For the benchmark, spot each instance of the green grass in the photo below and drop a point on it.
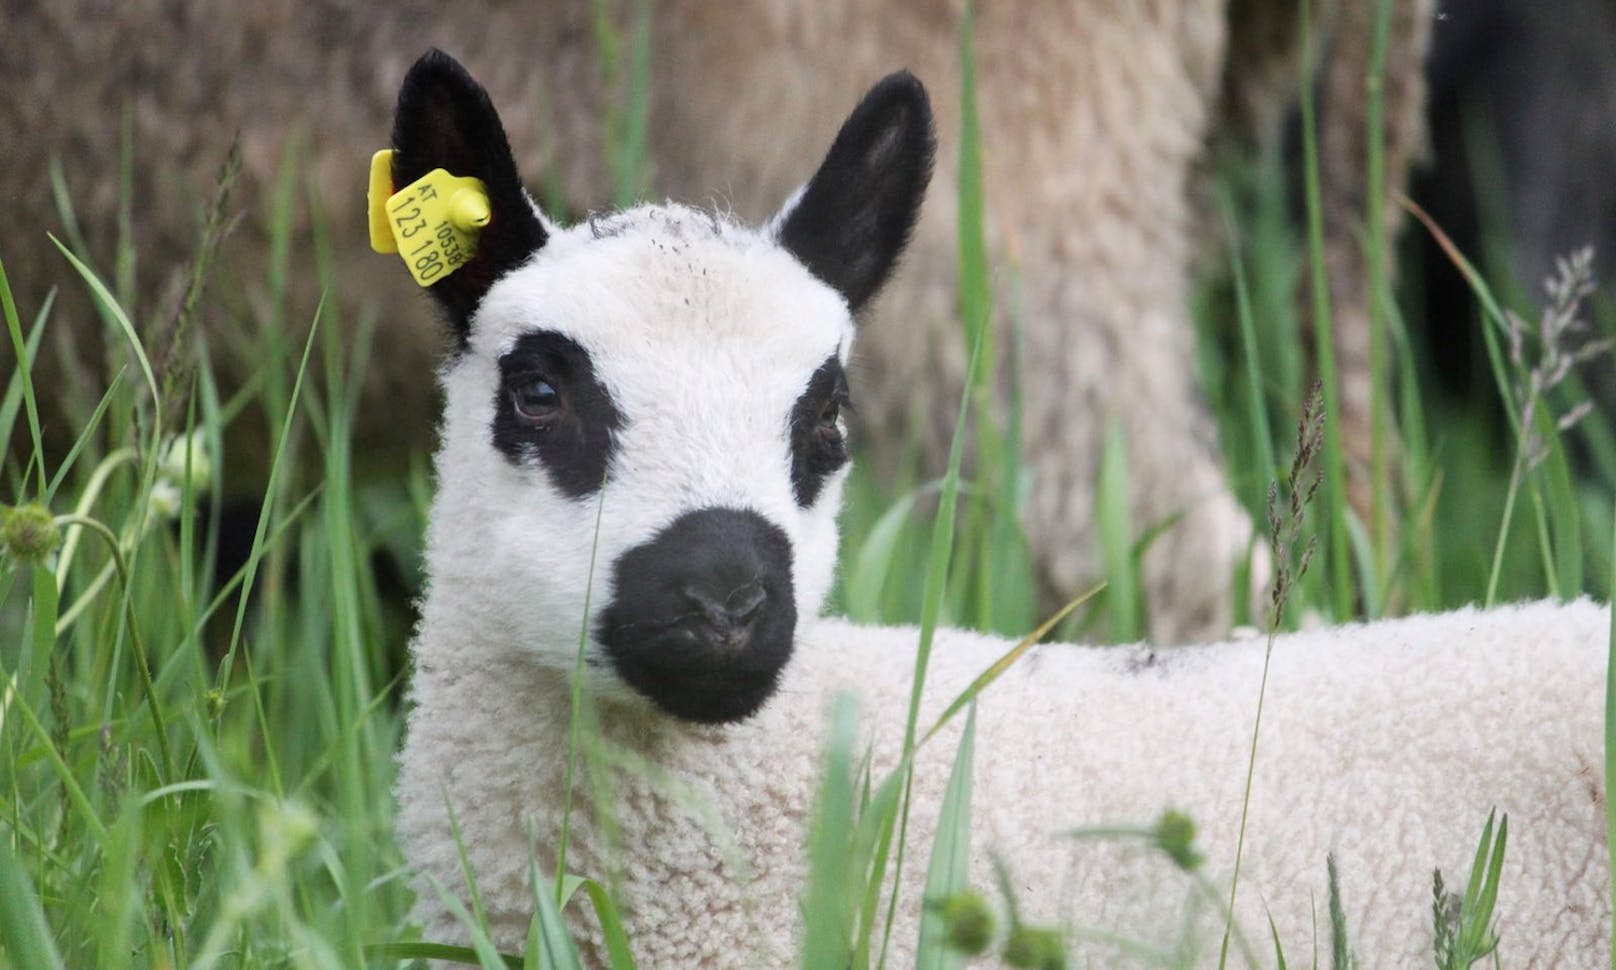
(196, 772)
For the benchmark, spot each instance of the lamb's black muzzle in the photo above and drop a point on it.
(704, 615)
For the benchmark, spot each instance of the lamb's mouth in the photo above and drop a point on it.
(705, 695)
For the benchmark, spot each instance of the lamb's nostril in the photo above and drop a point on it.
(729, 613)
(744, 602)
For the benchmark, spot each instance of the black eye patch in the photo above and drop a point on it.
(574, 439)
(817, 446)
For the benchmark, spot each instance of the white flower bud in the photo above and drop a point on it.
(187, 455)
(166, 499)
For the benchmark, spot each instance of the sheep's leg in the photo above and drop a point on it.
(1095, 125)
(1260, 86)
(1106, 242)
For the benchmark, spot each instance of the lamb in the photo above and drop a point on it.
(1103, 121)
(643, 448)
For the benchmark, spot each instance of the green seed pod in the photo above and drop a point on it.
(1175, 835)
(967, 922)
(28, 534)
(1035, 948)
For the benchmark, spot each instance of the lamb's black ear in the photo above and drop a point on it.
(853, 218)
(445, 120)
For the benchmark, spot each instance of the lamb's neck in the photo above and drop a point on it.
(476, 674)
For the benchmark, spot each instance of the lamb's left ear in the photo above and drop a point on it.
(853, 218)
(446, 120)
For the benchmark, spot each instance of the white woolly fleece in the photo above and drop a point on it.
(1385, 743)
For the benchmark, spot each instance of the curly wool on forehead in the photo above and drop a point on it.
(672, 221)
(668, 272)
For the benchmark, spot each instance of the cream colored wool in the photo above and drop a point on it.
(1096, 118)
(1385, 743)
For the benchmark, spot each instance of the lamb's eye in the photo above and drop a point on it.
(535, 398)
(818, 443)
(830, 415)
(828, 432)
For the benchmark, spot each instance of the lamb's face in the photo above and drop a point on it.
(679, 381)
(644, 441)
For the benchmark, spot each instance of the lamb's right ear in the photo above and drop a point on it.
(851, 221)
(445, 120)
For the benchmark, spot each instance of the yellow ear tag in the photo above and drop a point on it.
(432, 223)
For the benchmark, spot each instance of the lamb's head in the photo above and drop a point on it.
(656, 398)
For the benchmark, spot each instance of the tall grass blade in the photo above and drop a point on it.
(950, 856)
(31, 673)
(433, 951)
(474, 920)
(942, 539)
(25, 356)
(85, 436)
(877, 558)
(632, 159)
(1466, 933)
(109, 305)
(62, 198)
(1340, 948)
(975, 299)
(619, 953)
(625, 122)
(1113, 517)
(1562, 505)
(829, 898)
(877, 823)
(1421, 545)
(549, 945)
(64, 773)
(12, 402)
(1256, 406)
(1486, 903)
(1335, 486)
(1380, 513)
(259, 549)
(578, 698)
(1279, 950)
(482, 952)
(27, 942)
(1004, 663)
(1565, 518)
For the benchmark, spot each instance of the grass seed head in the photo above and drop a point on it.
(1285, 518)
(1035, 948)
(1563, 342)
(28, 534)
(1175, 836)
(967, 922)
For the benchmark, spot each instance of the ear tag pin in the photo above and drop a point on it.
(432, 223)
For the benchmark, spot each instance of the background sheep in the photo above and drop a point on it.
(1102, 122)
(1526, 95)
(568, 440)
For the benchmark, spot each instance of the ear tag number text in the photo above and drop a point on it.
(432, 223)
